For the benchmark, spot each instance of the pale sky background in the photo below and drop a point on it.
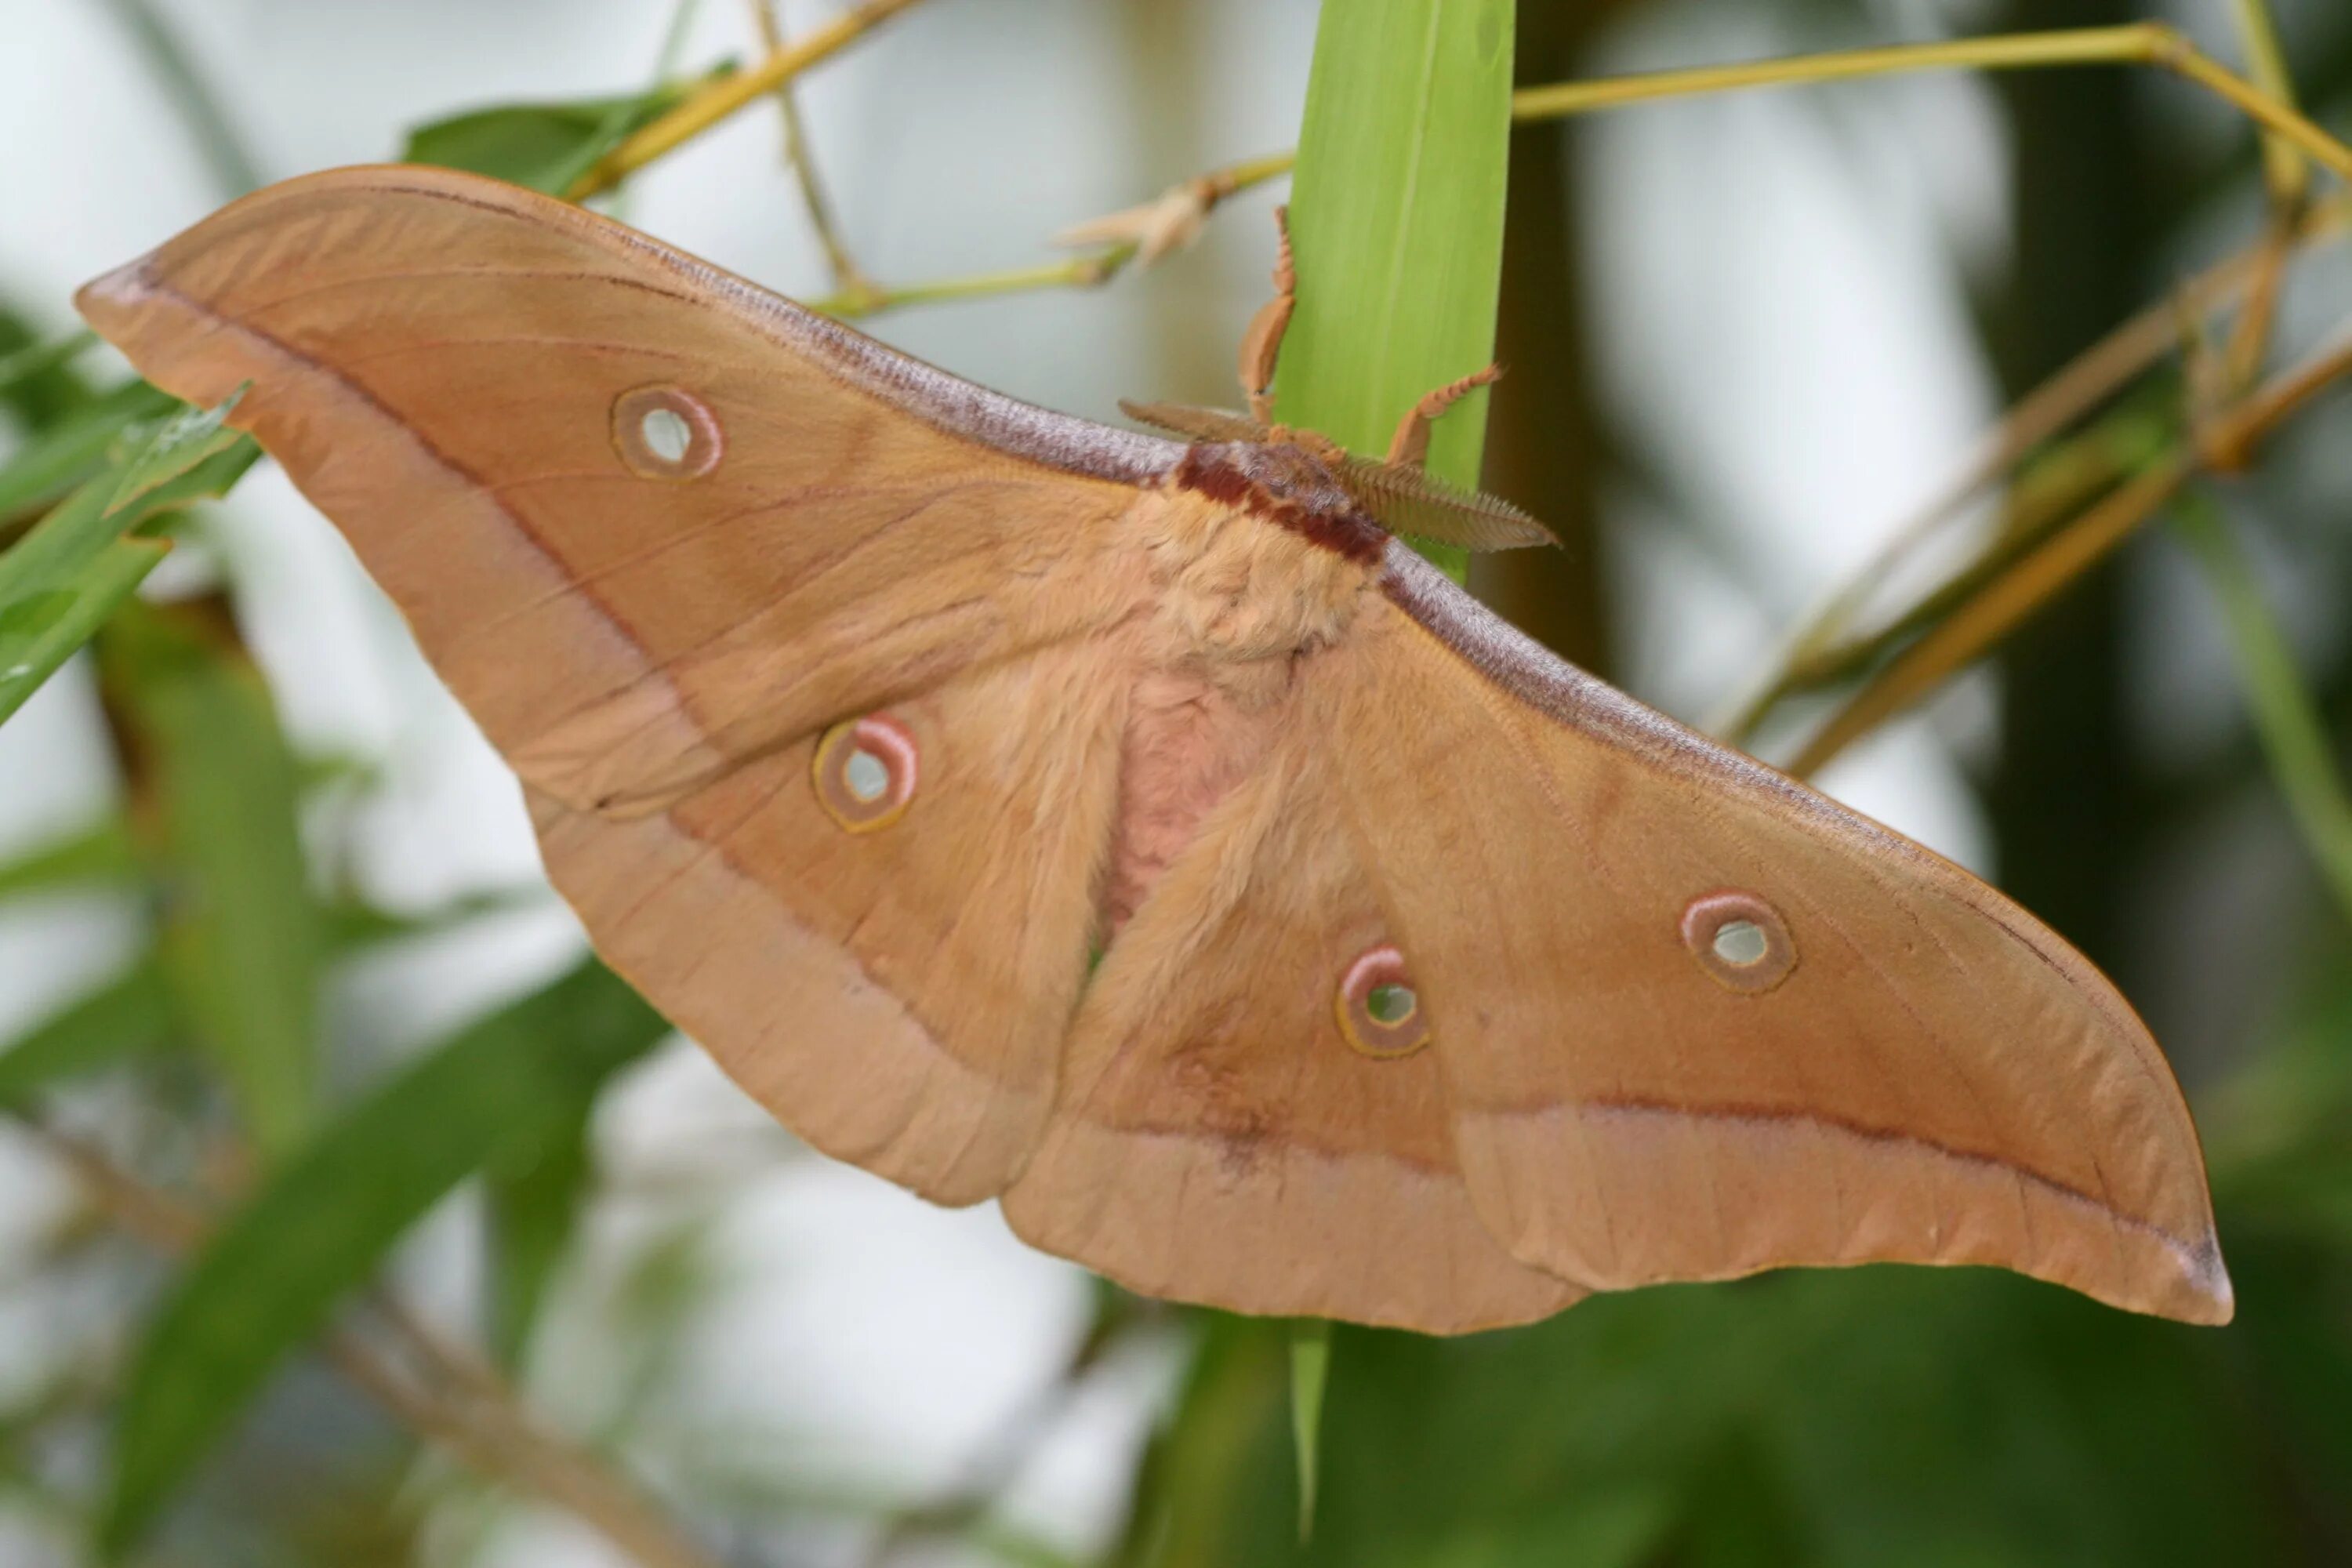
(1778, 313)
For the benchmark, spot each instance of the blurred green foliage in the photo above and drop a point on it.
(1950, 1419)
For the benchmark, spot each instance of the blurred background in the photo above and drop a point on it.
(1749, 338)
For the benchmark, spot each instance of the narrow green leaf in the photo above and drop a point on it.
(1396, 218)
(35, 379)
(75, 446)
(534, 1196)
(1192, 1488)
(171, 449)
(128, 1017)
(1397, 212)
(101, 856)
(2292, 736)
(39, 384)
(352, 925)
(209, 477)
(546, 146)
(1310, 1371)
(69, 574)
(60, 583)
(324, 1219)
(243, 941)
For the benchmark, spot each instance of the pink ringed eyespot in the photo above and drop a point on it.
(1378, 1009)
(665, 432)
(865, 772)
(1739, 940)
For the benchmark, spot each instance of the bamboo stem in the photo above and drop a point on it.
(1129, 232)
(1077, 272)
(2283, 164)
(2145, 44)
(848, 278)
(2140, 43)
(2007, 600)
(721, 99)
(1814, 655)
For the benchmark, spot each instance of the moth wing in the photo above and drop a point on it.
(459, 373)
(660, 635)
(1216, 1138)
(1883, 1060)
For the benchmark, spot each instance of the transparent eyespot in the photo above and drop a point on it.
(1378, 1006)
(865, 772)
(665, 432)
(1739, 940)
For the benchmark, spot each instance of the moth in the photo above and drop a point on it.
(1134, 829)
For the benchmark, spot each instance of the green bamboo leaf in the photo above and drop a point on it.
(208, 477)
(546, 146)
(353, 925)
(243, 941)
(38, 382)
(75, 446)
(1397, 215)
(1310, 1371)
(128, 1017)
(1192, 1489)
(543, 145)
(323, 1221)
(155, 456)
(534, 1196)
(60, 583)
(2294, 738)
(101, 856)
(1397, 212)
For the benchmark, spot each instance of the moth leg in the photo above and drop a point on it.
(1263, 342)
(1410, 445)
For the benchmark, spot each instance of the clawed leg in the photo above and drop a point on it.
(1261, 345)
(1410, 445)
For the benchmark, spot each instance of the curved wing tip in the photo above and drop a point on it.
(2211, 1300)
(105, 297)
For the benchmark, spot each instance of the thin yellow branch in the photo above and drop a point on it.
(848, 278)
(1079, 272)
(2284, 120)
(1136, 235)
(2233, 438)
(715, 103)
(1815, 655)
(1173, 219)
(2060, 559)
(2283, 164)
(2141, 44)
(2005, 603)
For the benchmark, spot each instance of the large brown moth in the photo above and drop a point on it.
(1134, 829)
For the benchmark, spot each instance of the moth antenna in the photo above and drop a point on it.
(1411, 500)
